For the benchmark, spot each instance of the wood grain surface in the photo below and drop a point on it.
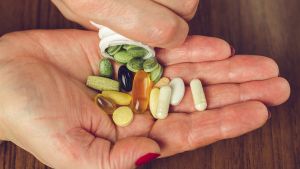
(264, 27)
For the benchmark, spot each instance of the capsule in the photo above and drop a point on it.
(141, 92)
(107, 104)
(198, 95)
(125, 78)
(121, 99)
(164, 100)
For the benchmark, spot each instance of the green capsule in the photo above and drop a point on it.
(135, 64)
(112, 50)
(106, 68)
(127, 47)
(150, 65)
(156, 74)
(137, 52)
(102, 83)
(123, 57)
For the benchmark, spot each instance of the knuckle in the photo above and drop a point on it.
(166, 31)
(189, 7)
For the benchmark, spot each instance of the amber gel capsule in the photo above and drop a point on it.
(141, 92)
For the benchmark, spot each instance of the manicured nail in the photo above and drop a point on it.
(146, 159)
(232, 50)
(269, 115)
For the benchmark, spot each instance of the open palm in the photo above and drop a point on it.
(47, 109)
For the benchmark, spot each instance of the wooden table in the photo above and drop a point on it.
(264, 27)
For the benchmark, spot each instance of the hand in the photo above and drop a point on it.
(47, 109)
(160, 23)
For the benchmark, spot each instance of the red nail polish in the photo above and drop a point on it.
(232, 51)
(146, 158)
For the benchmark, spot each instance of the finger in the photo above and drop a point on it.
(132, 152)
(70, 15)
(272, 92)
(196, 49)
(236, 69)
(186, 9)
(183, 132)
(141, 20)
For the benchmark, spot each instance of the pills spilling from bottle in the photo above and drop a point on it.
(139, 87)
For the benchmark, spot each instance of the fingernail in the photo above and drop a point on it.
(269, 115)
(146, 159)
(232, 50)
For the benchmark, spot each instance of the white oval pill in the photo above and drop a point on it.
(178, 90)
(198, 95)
(163, 102)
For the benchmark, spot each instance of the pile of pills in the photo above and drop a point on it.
(139, 86)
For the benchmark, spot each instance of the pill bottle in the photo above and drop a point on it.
(110, 38)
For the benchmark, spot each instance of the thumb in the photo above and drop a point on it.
(132, 152)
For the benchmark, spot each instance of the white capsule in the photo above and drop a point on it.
(163, 102)
(178, 90)
(198, 95)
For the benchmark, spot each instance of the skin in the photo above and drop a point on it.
(47, 109)
(161, 23)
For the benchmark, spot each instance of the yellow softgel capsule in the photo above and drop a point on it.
(122, 99)
(122, 116)
(154, 95)
(107, 104)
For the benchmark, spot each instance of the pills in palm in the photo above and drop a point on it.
(198, 95)
(139, 85)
